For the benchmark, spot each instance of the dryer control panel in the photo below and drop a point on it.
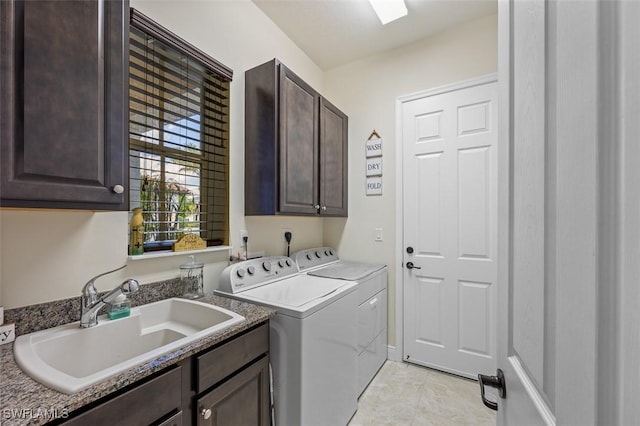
(314, 257)
(251, 273)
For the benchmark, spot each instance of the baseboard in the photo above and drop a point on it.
(393, 353)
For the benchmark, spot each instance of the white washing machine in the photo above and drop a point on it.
(323, 262)
(311, 342)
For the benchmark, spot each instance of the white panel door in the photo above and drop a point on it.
(556, 263)
(525, 334)
(449, 228)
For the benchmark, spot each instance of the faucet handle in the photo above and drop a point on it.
(105, 273)
(89, 290)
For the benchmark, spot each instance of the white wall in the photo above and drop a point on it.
(47, 255)
(366, 91)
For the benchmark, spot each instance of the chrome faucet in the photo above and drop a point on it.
(91, 303)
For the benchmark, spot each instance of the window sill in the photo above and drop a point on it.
(168, 253)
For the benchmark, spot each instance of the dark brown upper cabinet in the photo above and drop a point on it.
(64, 112)
(295, 146)
(333, 160)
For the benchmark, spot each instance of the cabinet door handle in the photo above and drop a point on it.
(205, 412)
(324, 207)
(317, 206)
(373, 302)
(118, 189)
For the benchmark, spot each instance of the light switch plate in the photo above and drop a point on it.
(378, 236)
(7, 333)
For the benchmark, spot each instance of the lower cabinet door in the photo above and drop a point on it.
(140, 406)
(243, 400)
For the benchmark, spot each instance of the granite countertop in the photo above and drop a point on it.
(24, 401)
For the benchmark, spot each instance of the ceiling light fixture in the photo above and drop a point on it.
(389, 10)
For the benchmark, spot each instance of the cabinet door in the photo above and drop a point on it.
(140, 406)
(298, 114)
(333, 160)
(64, 103)
(242, 400)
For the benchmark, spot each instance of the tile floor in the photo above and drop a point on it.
(406, 394)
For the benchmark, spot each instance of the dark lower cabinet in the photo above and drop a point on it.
(243, 400)
(63, 115)
(143, 405)
(233, 382)
(227, 384)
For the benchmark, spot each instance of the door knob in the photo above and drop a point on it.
(495, 382)
(409, 250)
(410, 265)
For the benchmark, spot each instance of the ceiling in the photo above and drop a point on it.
(336, 32)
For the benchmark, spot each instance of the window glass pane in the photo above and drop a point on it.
(183, 197)
(184, 135)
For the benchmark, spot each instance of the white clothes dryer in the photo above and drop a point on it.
(323, 262)
(312, 338)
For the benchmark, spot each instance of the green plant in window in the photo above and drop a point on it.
(170, 204)
(181, 208)
(151, 206)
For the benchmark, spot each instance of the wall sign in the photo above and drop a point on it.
(189, 242)
(374, 166)
(374, 146)
(374, 185)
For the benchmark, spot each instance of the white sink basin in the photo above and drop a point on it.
(69, 358)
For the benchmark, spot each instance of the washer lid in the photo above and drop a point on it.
(352, 271)
(297, 291)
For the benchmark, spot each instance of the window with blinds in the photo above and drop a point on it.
(178, 137)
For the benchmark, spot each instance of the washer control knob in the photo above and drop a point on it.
(331, 252)
(281, 263)
(308, 256)
(318, 254)
(326, 253)
(288, 262)
(251, 270)
(266, 266)
(240, 273)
